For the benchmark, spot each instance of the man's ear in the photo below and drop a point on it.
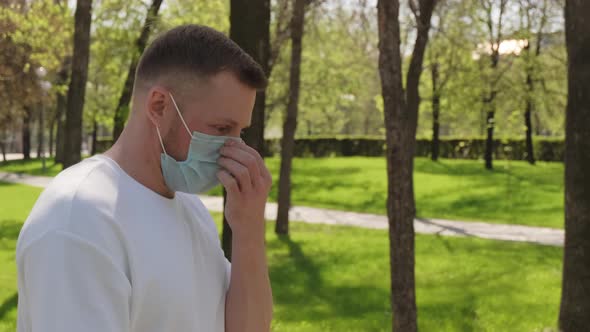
(156, 101)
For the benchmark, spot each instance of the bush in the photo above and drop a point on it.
(545, 149)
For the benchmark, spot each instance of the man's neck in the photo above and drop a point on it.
(139, 160)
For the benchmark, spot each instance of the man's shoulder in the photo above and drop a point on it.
(79, 200)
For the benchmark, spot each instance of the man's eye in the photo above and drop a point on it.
(223, 130)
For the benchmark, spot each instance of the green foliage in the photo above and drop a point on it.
(112, 45)
(339, 79)
(33, 35)
(458, 31)
(116, 27)
(213, 13)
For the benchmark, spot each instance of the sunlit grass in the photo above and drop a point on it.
(513, 193)
(336, 278)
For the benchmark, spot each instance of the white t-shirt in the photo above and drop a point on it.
(102, 252)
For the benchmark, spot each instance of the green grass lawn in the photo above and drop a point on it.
(33, 166)
(335, 278)
(514, 193)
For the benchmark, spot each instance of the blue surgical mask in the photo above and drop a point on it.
(197, 173)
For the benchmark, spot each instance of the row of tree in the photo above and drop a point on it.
(401, 114)
(339, 74)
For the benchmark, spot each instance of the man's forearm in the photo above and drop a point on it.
(248, 305)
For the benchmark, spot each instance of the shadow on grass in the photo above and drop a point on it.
(9, 303)
(299, 286)
(32, 166)
(9, 230)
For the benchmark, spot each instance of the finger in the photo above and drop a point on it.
(229, 182)
(243, 158)
(261, 165)
(238, 171)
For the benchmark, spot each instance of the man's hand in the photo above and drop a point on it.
(248, 306)
(247, 182)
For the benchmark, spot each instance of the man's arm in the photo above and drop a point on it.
(248, 305)
(247, 181)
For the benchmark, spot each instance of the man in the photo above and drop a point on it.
(119, 242)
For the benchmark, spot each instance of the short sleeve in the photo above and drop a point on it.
(68, 284)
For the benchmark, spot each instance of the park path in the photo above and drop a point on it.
(538, 235)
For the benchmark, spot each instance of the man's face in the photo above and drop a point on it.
(221, 107)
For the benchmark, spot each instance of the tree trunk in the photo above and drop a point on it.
(60, 110)
(435, 113)
(489, 97)
(26, 133)
(489, 153)
(51, 138)
(62, 78)
(490, 107)
(77, 88)
(40, 129)
(530, 153)
(3, 148)
(529, 106)
(94, 136)
(250, 29)
(3, 145)
(401, 119)
(575, 298)
(290, 124)
(122, 110)
(60, 138)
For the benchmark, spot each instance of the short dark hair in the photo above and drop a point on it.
(198, 50)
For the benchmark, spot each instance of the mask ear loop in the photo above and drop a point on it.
(161, 143)
(180, 115)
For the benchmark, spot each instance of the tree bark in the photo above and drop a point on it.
(40, 131)
(59, 135)
(58, 120)
(290, 124)
(530, 103)
(94, 137)
(530, 89)
(575, 298)
(489, 98)
(77, 88)
(250, 29)
(435, 112)
(3, 144)
(3, 148)
(401, 119)
(122, 110)
(26, 133)
(51, 138)
(489, 104)
(530, 153)
(489, 153)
